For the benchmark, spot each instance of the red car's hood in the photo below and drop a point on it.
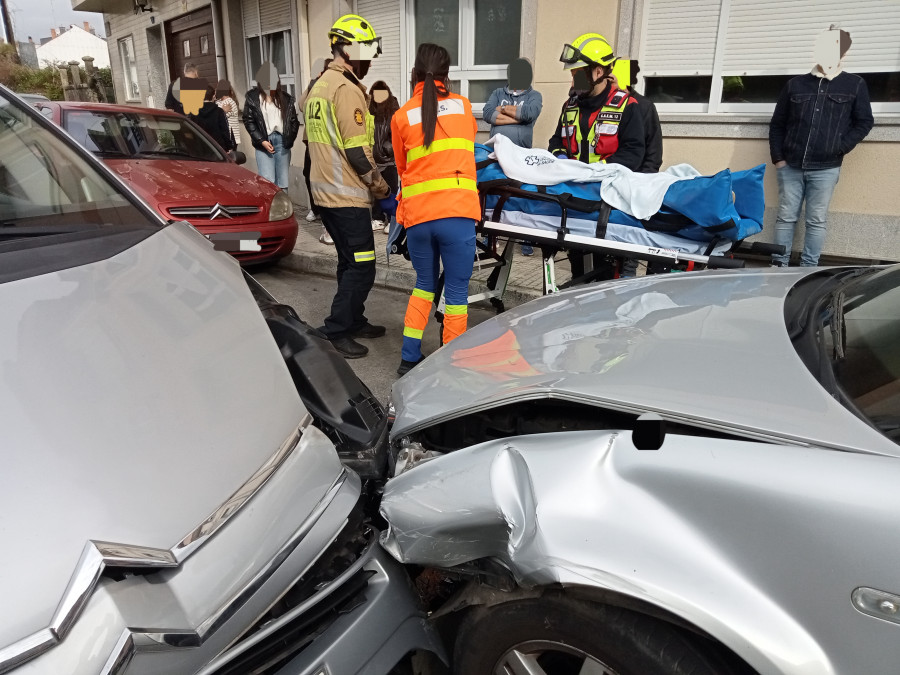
(172, 182)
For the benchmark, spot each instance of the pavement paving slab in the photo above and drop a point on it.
(395, 272)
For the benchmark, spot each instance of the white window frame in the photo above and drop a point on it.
(132, 86)
(265, 48)
(715, 106)
(466, 70)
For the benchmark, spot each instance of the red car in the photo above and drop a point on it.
(173, 165)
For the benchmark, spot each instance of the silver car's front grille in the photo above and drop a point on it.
(213, 212)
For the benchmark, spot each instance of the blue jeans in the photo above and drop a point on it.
(450, 241)
(275, 167)
(815, 186)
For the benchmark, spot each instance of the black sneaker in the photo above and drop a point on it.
(406, 366)
(369, 331)
(349, 347)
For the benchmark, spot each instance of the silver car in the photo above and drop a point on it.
(687, 473)
(173, 498)
(694, 473)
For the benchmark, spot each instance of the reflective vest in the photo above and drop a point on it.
(438, 181)
(337, 119)
(603, 132)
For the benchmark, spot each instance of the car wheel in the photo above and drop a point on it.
(560, 635)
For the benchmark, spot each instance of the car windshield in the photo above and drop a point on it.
(111, 134)
(50, 195)
(862, 341)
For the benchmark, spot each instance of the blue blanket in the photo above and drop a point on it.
(728, 205)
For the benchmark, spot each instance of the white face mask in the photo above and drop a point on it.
(828, 51)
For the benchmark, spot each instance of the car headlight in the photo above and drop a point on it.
(281, 207)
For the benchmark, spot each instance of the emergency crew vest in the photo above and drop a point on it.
(603, 134)
(333, 181)
(438, 181)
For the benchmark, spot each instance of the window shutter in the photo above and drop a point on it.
(274, 15)
(773, 37)
(680, 37)
(250, 13)
(385, 17)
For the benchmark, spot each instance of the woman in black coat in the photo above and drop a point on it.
(270, 117)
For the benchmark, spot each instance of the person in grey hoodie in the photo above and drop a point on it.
(512, 110)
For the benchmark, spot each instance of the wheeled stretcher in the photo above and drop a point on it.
(702, 221)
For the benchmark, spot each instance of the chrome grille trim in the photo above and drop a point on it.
(99, 555)
(134, 641)
(273, 626)
(214, 211)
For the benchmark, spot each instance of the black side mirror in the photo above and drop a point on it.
(239, 157)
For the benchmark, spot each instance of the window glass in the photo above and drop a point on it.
(186, 48)
(480, 90)
(498, 26)
(204, 44)
(678, 89)
(45, 184)
(109, 134)
(254, 56)
(437, 21)
(277, 51)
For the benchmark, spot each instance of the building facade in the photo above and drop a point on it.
(714, 67)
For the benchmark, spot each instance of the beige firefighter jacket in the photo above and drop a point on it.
(342, 171)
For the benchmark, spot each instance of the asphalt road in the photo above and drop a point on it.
(311, 297)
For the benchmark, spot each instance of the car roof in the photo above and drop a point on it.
(114, 108)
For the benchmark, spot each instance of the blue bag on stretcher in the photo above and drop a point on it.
(726, 206)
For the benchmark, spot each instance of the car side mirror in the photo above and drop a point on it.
(239, 157)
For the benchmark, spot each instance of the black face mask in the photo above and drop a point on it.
(582, 82)
(360, 68)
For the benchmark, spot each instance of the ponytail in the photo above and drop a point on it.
(429, 109)
(432, 63)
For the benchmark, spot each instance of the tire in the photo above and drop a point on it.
(561, 635)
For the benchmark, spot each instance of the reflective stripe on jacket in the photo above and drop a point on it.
(438, 181)
(337, 120)
(603, 133)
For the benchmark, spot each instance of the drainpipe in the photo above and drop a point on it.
(221, 68)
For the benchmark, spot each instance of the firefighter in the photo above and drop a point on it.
(598, 123)
(344, 178)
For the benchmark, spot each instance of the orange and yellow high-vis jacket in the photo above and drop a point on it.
(438, 181)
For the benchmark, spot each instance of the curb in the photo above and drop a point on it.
(392, 278)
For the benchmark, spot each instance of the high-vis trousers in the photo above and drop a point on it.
(447, 241)
(351, 229)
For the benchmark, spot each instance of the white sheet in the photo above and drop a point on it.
(637, 194)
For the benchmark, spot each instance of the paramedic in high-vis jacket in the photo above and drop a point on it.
(599, 122)
(344, 178)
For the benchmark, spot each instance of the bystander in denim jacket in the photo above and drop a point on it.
(817, 121)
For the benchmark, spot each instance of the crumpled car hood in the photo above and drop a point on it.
(708, 349)
(118, 403)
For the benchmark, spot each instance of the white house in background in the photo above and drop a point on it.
(72, 45)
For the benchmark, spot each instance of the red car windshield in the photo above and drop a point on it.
(139, 135)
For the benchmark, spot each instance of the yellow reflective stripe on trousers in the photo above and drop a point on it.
(364, 256)
(456, 309)
(425, 295)
(439, 184)
(413, 333)
(437, 146)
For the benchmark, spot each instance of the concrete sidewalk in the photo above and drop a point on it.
(395, 272)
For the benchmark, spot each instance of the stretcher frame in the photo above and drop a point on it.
(563, 240)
